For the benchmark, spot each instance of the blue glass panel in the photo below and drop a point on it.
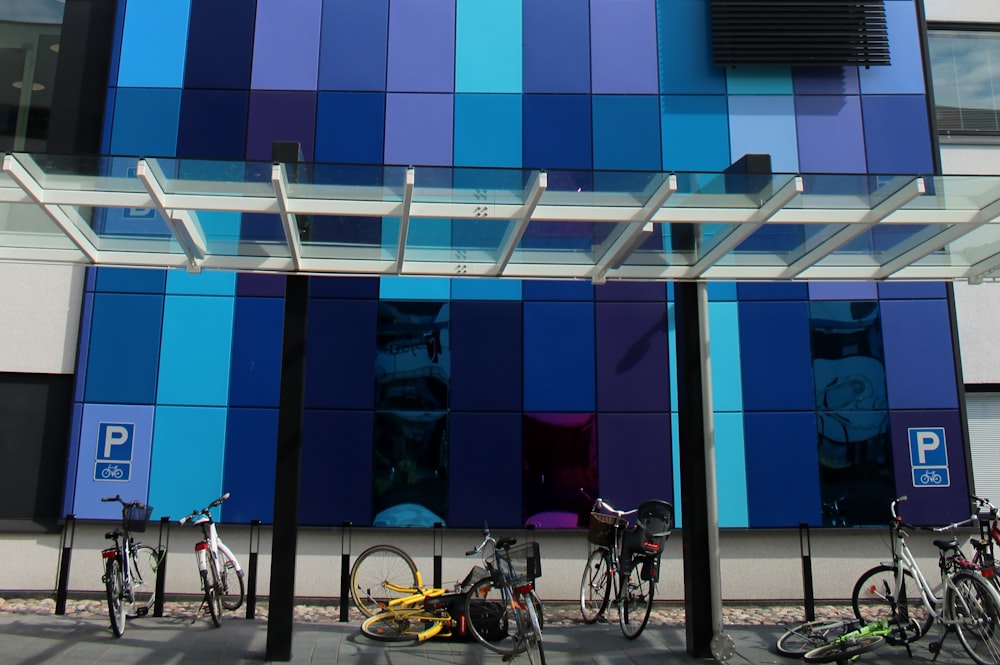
(559, 356)
(213, 124)
(421, 46)
(341, 354)
(488, 47)
(695, 133)
(685, 37)
(557, 290)
(764, 124)
(897, 135)
(479, 289)
(207, 283)
(488, 130)
(920, 366)
(197, 333)
(632, 357)
(255, 377)
(731, 469)
(724, 333)
(251, 445)
(411, 288)
(145, 122)
(759, 81)
(831, 138)
(481, 441)
(350, 127)
(772, 291)
(129, 280)
(220, 58)
(286, 45)
(722, 291)
(419, 129)
(124, 349)
(912, 290)
(336, 468)
(623, 43)
(153, 45)
(645, 440)
(557, 132)
(353, 49)
(906, 73)
(626, 132)
(556, 46)
(775, 355)
(782, 462)
(188, 456)
(487, 356)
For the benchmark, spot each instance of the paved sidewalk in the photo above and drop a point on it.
(36, 639)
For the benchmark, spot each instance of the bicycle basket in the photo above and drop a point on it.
(136, 518)
(603, 528)
(518, 565)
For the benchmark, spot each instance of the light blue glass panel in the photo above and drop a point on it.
(764, 125)
(154, 43)
(208, 282)
(486, 289)
(721, 291)
(695, 133)
(488, 46)
(286, 45)
(906, 73)
(724, 336)
(196, 350)
(488, 130)
(188, 453)
(731, 470)
(414, 288)
(759, 81)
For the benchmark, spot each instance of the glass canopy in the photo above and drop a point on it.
(341, 219)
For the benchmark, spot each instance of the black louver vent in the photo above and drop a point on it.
(799, 32)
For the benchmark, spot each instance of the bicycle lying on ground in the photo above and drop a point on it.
(625, 560)
(388, 589)
(969, 605)
(129, 566)
(832, 641)
(220, 571)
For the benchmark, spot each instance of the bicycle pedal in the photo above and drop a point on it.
(141, 611)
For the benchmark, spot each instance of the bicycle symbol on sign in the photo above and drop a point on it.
(112, 472)
(931, 478)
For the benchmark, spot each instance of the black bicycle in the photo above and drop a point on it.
(129, 566)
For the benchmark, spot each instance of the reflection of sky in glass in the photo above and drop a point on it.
(966, 71)
(32, 11)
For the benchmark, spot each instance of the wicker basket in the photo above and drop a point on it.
(136, 518)
(603, 528)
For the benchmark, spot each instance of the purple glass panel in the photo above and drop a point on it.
(251, 284)
(931, 504)
(831, 139)
(418, 129)
(280, 116)
(556, 46)
(645, 440)
(633, 357)
(825, 80)
(286, 45)
(353, 46)
(623, 43)
(422, 46)
(919, 354)
(620, 291)
(842, 291)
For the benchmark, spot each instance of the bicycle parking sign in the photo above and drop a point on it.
(929, 457)
(114, 452)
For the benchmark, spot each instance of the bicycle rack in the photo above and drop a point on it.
(438, 535)
(161, 570)
(252, 569)
(66, 549)
(345, 571)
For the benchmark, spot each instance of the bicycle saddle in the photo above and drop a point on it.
(947, 544)
(112, 534)
(505, 542)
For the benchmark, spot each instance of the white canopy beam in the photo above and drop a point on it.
(533, 191)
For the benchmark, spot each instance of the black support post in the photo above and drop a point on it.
(805, 547)
(345, 572)
(161, 569)
(65, 556)
(252, 569)
(289, 454)
(438, 552)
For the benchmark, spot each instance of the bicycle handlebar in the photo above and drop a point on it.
(936, 529)
(487, 539)
(119, 499)
(204, 511)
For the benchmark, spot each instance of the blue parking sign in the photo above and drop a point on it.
(929, 457)
(113, 461)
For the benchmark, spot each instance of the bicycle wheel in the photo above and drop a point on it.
(872, 601)
(975, 608)
(808, 635)
(405, 625)
(636, 603)
(844, 650)
(532, 632)
(595, 587)
(490, 618)
(212, 595)
(145, 561)
(232, 583)
(114, 584)
(375, 567)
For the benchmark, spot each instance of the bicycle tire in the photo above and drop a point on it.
(803, 637)
(405, 625)
(114, 584)
(376, 566)
(975, 611)
(145, 560)
(489, 620)
(212, 596)
(532, 632)
(595, 587)
(232, 581)
(636, 602)
(871, 602)
(844, 650)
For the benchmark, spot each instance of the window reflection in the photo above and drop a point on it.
(965, 67)
(559, 458)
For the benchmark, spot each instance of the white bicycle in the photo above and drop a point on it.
(221, 574)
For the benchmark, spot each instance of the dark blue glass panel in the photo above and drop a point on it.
(251, 445)
(633, 357)
(644, 439)
(781, 463)
(560, 459)
(775, 356)
(344, 287)
(253, 284)
(255, 374)
(213, 124)
(559, 356)
(557, 290)
(353, 50)
(897, 135)
(772, 291)
(556, 46)
(557, 132)
(350, 127)
(912, 290)
(487, 356)
(124, 349)
(336, 468)
(919, 354)
(340, 356)
(130, 280)
(485, 444)
(220, 58)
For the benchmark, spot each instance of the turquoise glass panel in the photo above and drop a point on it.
(906, 73)
(286, 45)
(487, 130)
(626, 132)
(759, 81)
(721, 290)
(154, 42)
(488, 46)
(145, 121)
(124, 348)
(730, 469)
(764, 125)
(724, 336)
(206, 283)
(197, 344)
(188, 455)
(414, 288)
(686, 50)
(695, 133)
(486, 289)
